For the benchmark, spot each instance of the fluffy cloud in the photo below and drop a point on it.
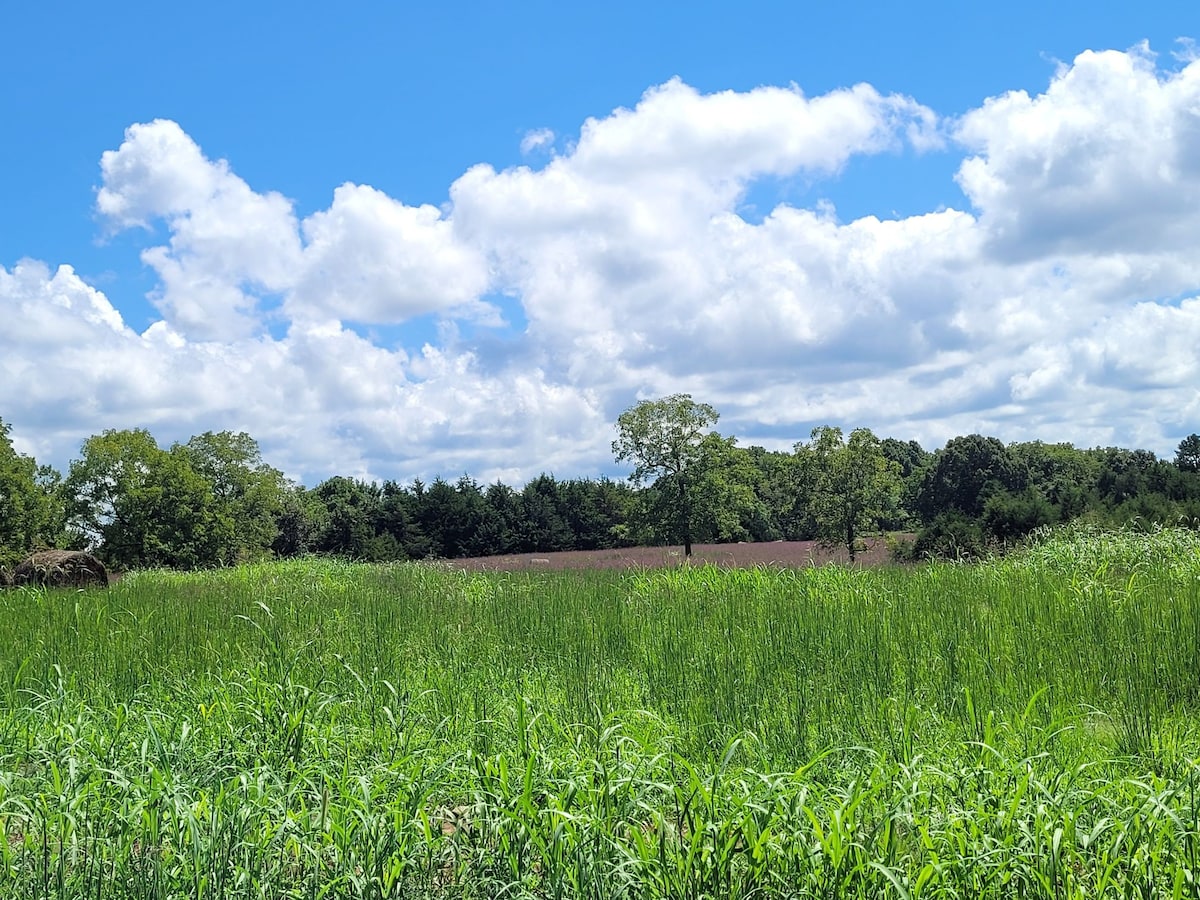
(629, 258)
(1048, 309)
(369, 258)
(723, 139)
(321, 400)
(228, 243)
(537, 139)
(1106, 161)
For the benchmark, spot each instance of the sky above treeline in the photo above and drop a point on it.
(397, 242)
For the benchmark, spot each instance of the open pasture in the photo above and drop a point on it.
(1022, 727)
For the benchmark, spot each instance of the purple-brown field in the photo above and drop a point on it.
(791, 554)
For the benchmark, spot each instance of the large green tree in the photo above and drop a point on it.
(140, 506)
(1187, 456)
(546, 529)
(1060, 473)
(30, 515)
(248, 494)
(728, 507)
(665, 440)
(965, 473)
(852, 483)
(300, 522)
(779, 511)
(913, 460)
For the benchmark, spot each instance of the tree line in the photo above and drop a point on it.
(214, 501)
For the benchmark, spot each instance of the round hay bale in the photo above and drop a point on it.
(61, 568)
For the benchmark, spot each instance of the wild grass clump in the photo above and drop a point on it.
(1021, 727)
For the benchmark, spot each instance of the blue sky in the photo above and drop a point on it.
(918, 255)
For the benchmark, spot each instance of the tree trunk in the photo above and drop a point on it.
(686, 519)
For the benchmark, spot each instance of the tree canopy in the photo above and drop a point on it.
(665, 440)
(212, 500)
(144, 506)
(1187, 457)
(29, 514)
(853, 484)
(247, 493)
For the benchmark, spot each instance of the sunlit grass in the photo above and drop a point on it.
(1023, 727)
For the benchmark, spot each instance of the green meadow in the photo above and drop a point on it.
(1023, 727)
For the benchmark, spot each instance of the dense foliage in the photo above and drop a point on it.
(214, 501)
(1025, 727)
(668, 440)
(29, 502)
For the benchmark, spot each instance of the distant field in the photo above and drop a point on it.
(1026, 727)
(770, 553)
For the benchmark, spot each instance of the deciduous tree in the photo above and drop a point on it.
(29, 510)
(965, 473)
(665, 441)
(1187, 456)
(140, 506)
(351, 508)
(853, 485)
(248, 494)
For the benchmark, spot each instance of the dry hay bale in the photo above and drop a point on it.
(61, 568)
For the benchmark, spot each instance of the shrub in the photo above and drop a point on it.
(951, 535)
(901, 548)
(1007, 516)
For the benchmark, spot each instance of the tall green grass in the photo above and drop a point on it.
(1022, 727)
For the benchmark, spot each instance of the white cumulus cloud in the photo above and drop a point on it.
(1105, 161)
(1062, 304)
(369, 258)
(228, 243)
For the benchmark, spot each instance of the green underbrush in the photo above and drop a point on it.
(1028, 726)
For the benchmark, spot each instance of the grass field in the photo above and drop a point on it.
(1027, 727)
